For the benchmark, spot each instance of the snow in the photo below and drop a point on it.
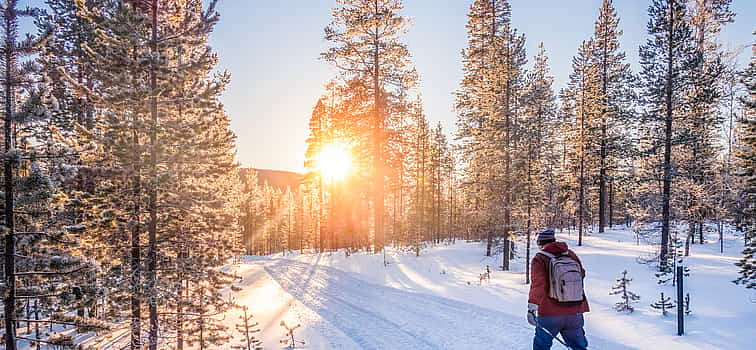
(436, 301)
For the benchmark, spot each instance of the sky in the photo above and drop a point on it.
(272, 47)
(272, 50)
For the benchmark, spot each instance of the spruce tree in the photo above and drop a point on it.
(668, 60)
(41, 263)
(628, 297)
(248, 328)
(747, 156)
(663, 304)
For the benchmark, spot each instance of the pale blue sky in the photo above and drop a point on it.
(271, 48)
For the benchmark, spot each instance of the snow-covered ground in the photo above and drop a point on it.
(435, 301)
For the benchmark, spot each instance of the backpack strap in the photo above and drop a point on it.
(552, 256)
(547, 254)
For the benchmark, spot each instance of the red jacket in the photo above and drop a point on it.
(539, 293)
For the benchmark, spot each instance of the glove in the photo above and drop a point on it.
(532, 314)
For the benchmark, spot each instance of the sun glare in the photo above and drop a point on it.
(334, 162)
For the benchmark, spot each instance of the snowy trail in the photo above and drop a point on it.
(378, 317)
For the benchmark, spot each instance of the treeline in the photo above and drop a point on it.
(402, 187)
(656, 149)
(319, 214)
(121, 192)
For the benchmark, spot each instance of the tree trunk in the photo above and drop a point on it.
(667, 189)
(9, 300)
(36, 324)
(603, 150)
(611, 203)
(507, 168)
(527, 242)
(152, 226)
(136, 271)
(378, 195)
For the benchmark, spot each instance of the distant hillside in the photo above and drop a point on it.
(275, 178)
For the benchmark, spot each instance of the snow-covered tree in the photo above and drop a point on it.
(628, 297)
(615, 104)
(581, 106)
(489, 111)
(365, 46)
(248, 328)
(663, 304)
(701, 123)
(539, 107)
(747, 156)
(167, 170)
(41, 266)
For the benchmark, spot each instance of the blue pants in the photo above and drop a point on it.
(570, 327)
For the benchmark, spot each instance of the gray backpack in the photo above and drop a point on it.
(565, 279)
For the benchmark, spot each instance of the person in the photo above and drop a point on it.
(547, 313)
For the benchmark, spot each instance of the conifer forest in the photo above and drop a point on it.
(136, 214)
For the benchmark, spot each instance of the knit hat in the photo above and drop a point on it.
(546, 236)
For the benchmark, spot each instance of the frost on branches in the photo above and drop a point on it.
(289, 340)
(664, 304)
(628, 297)
(248, 328)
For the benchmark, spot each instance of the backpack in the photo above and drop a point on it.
(565, 279)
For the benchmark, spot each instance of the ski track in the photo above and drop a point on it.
(377, 317)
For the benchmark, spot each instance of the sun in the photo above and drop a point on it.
(334, 162)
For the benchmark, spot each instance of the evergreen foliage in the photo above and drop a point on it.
(489, 108)
(747, 157)
(628, 297)
(669, 60)
(248, 328)
(289, 340)
(663, 304)
(366, 48)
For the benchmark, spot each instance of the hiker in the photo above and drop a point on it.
(556, 311)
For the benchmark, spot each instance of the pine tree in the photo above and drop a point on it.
(318, 137)
(289, 340)
(747, 156)
(421, 165)
(707, 17)
(668, 60)
(365, 37)
(539, 105)
(616, 98)
(628, 297)
(663, 304)
(581, 104)
(489, 107)
(169, 161)
(248, 327)
(41, 263)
